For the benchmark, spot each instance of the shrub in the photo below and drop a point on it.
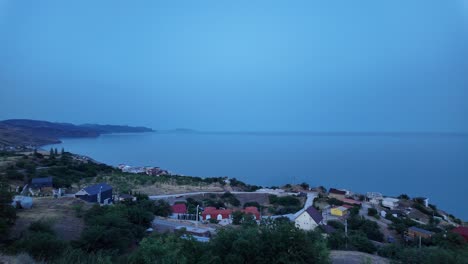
(371, 212)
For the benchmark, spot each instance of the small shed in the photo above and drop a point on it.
(97, 193)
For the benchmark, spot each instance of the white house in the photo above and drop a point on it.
(389, 202)
(308, 219)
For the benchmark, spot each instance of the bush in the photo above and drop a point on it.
(371, 212)
(162, 208)
(40, 242)
(362, 243)
(230, 198)
(284, 200)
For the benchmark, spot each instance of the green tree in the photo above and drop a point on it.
(162, 208)
(7, 212)
(237, 217)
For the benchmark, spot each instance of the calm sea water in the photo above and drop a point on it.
(434, 166)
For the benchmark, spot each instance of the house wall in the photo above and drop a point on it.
(336, 212)
(305, 222)
(93, 198)
(415, 234)
(336, 196)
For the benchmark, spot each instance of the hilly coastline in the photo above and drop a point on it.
(26, 132)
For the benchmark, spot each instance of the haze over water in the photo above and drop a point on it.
(394, 65)
(430, 165)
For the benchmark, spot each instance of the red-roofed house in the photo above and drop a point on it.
(178, 209)
(218, 214)
(252, 210)
(463, 231)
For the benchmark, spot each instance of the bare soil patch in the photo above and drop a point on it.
(59, 212)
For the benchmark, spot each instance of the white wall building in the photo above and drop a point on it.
(389, 202)
(308, 219)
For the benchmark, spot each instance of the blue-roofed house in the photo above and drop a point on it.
(98, 193)
(38, 183)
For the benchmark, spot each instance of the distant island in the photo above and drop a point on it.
(26, 132)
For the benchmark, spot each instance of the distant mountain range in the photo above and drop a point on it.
(23, 132)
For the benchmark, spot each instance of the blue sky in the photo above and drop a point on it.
(238, 65)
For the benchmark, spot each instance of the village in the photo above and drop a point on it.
(198, 214)
(65, 189)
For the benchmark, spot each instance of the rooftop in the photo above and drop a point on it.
(336, 191)
(94, 189)
(42, 180)
(420, 230)
(315, 214)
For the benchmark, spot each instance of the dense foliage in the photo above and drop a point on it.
(273, 242)
(284, 204)
(7, 212)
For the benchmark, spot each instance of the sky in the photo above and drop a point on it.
(339, 65)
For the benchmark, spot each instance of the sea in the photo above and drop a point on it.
(418, 164)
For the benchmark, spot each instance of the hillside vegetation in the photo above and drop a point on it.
(25, 132)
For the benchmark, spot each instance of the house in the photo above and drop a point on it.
(98, 193)
(389, 202)
(374, 197)
(218, 214)
(415, 232)
(308, 219)
(339, 211)
(178, 209)
(463, 231)
(351, 201)
(39, 183)
(337, 194)
(253, 211)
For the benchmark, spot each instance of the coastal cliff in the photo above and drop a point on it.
(25, 132)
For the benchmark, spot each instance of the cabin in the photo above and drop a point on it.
(337, 194)
(308, 219)
(98, 193)
(39, 183)
(415, 232)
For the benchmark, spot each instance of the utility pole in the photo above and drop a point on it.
(346, 232)
(196, 222)
(419, 242)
